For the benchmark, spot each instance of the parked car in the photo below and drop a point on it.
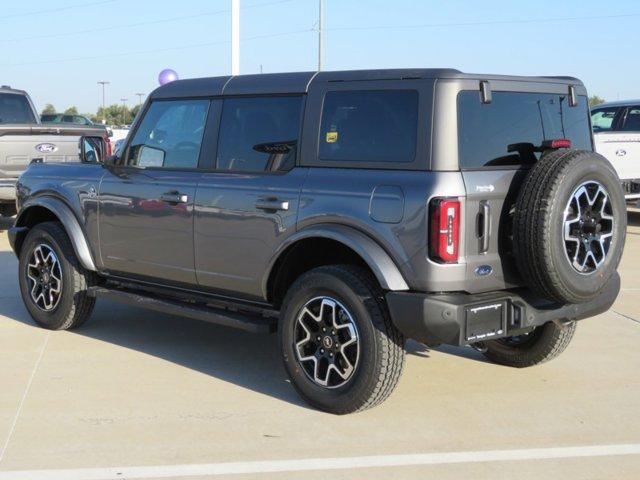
(23, 139)
(349, 211)
(65, 118)
(616, 131)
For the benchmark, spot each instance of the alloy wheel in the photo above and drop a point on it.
(44, 275)
(326, 342)
(588, 227)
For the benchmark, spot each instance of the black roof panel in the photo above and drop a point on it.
(298, 82)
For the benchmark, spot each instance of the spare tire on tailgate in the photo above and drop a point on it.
(569, 225)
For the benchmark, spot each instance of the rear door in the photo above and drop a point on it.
(146, 201)
(494, 153)
(617, 137)
(249, 200)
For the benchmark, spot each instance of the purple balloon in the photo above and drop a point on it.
(167, 75)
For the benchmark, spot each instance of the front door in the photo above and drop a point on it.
(249, 203)
(146, 201)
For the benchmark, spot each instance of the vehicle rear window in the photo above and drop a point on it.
(15, 109)
(497, 134)
(369, 126)
(602, 119)
(631, 122)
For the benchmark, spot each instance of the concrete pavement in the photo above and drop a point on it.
(136, 388)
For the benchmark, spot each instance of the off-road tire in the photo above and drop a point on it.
(8, 209)
(545, 343)
(382, 346)
(75, 305)
(538, 242)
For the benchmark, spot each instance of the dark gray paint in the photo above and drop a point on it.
(221, 242)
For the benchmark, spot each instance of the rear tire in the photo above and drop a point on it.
(52, 282)
(544, 343)
(313, 303)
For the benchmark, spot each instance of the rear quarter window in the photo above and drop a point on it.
(489, 134)
(369, 126)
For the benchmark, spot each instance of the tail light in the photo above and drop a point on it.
(556, 143)
(444, 229)
(107, 144)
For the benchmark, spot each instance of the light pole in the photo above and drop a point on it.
(235, 37)
(104, 103)
(124, 110)
(320, 39)
(140, 95)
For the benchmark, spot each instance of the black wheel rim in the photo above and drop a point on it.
(326, 342)
(44, 278)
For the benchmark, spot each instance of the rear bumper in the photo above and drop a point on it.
(462, 318)
(8, 189)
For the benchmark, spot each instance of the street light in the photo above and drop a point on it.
(140, 95)
(104, 104)
(124, 110)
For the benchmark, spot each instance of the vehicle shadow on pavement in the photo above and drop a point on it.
(421, 350)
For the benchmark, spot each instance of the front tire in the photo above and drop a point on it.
(339, 346)
(52, 282)
(542, 344)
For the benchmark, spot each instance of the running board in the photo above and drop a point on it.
(242, 321)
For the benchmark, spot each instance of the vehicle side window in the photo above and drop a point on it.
(631, 121)
(169, 135)
(259, 133)
(602, 118)
(369, 126)
(506, 131)
(15, 109)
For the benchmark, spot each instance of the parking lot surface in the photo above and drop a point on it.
(134, 388)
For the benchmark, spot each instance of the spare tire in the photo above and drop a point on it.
(569, 225)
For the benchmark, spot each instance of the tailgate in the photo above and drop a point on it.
(17, 151)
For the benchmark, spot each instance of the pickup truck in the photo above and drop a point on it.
(23, 139)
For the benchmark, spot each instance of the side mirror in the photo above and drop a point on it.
(92, 149)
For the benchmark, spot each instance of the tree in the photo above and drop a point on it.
(71, 111)
(115, 115)
(595, 100)
(48, 109)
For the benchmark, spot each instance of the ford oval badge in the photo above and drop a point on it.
(46, 147)
(484, 270)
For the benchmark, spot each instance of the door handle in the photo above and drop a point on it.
(174, 197)
(272, 204)
(486, 226)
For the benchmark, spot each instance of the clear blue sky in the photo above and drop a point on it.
(129, 41)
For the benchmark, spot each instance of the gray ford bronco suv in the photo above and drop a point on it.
(348, 211)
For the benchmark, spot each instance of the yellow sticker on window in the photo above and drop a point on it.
(332, 137)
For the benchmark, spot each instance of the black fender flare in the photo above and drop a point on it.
(69, 222)
(381, 264)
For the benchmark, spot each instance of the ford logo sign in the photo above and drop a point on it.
(483, 270)
(46, 147)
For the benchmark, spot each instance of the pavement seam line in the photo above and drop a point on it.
(626, 316)
(24, 396)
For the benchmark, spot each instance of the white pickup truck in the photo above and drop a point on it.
(23, 139)
(616, 132)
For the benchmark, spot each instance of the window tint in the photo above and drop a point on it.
(631, 120)
(504, 131)
(369, 126)
(602, 118)
(259, 134)
(15, 109)
(170, 135)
